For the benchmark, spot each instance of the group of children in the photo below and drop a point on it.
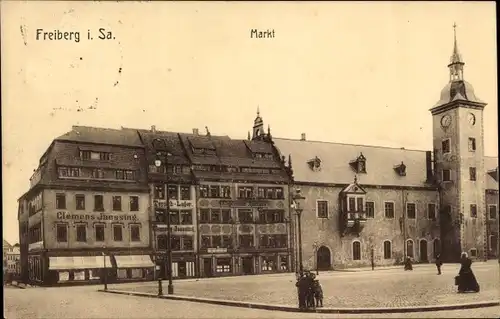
(310, 291)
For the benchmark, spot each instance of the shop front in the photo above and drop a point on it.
(78, 269)
(183, 265)
(133, 267)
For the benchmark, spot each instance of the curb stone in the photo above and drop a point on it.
(285, 308)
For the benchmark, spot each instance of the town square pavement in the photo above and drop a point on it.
(86, 303)
(363, 289)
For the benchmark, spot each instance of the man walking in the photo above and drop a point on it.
(439, 263)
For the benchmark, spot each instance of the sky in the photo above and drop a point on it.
(350, 72)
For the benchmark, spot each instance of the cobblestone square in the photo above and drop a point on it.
(387, 288)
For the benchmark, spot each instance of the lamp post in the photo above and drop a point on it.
(315, 246)
(166, 216)
(105, 269)
(297, 205)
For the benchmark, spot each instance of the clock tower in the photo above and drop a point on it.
(459, 167)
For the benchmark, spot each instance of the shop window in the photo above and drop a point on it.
(62, 233)
(135, 233)
(61, 201)
(80, 201)
(81, 233)
(268, 263)
(99, 232)
(137, 273)
(186, 217)
(411, 211)
(79, 275)
(121, 273)
(387, 250)
(223, 265)
(173, 192)
(98, 203)
(134, 203)
(389, 210)
(117, 203)
(185, 193)
(283, 263)
(370, 209)
(117, 232)
(356, 250)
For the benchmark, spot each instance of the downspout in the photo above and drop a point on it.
(403, 197)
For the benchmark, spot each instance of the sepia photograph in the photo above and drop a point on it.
(274, 159)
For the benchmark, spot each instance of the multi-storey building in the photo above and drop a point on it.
(368, 203)
(87, 210)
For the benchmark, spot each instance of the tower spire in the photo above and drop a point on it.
(258, 111)
(456, 65)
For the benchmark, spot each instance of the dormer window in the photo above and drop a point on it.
(400, 169)
(359, 164)
(314, 164)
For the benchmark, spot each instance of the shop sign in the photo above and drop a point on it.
(174, 203)
(100, 216)
(217, 250)
(177, 228)
(248, 203)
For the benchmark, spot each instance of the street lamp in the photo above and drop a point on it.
(105, 269)
(297, 204)
(166, 215)
(315, 246)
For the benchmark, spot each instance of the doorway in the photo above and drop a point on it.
(182, 270)
(423, 251)
(323, 259)
(207, 267)
(247, 265)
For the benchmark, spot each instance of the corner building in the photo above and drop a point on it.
(369, 204)
(242, 204)
(86, 212)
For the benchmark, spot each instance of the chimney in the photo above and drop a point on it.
(153, 128)
(195, 131)
(303, 137)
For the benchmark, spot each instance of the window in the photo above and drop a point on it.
(245, 192)
(225, 191)
(246, 241)
(431, 211)
(97, 173)
(389, 210)
(61, 201)
(493, 242)
(95, 156)
(370, 209)
(226, 216)
(160, 215)
(409, 248)
(119, 174)
(135, 233)
(187, 242)
(204, 216)
(80, 202)
(268, 263)
(226, 242)
(161, 242)
(492, 209)
(185, 193)
(159, 191)
(472, 144)
(473, 252)
(203, 191)
(117, 233)
(214, 191)
(129, 175)
(215, 216)
(174, 217)
(98, 203)
(359, 204)
(411, 211)
(245, 215)
(223, 265)
(117, 203)
(356, 250)
(472, 173)
(85, 155)
(186, 217)
(173, 192)
(216, 241)
(446, 175)
(81, 233)
(473, 211)
(134, 203)
(205, 241)
(99, 232)
(387, 250)
(322, 208)
(445, 144)
(62, 233)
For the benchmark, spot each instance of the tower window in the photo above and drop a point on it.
(472, 144)
(446, 175)
(473, 211)
(472, 173)
(446, 146)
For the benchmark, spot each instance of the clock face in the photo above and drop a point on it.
(471, 119)
(446, 121)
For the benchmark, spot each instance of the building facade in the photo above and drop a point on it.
(86, 214)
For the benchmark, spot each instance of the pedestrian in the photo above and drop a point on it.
(439, 263)
(302, 286)
(466, 281)
(310, 290)
(408, 265)
(318, 293)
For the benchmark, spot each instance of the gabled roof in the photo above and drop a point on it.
(353, 188)
(169, 139)
(491, 164)
(256, 146)
(98, 135)
(336, 159)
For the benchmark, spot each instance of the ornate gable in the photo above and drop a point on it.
(354, 188)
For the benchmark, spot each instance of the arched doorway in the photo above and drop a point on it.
(323, 259)
(423, 251)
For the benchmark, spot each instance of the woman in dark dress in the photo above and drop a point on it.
(466, 279)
